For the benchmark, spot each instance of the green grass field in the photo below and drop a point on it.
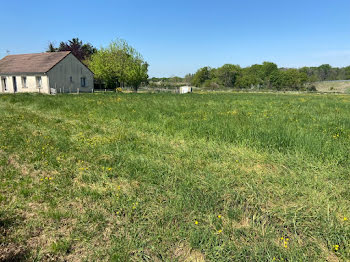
(165, 177)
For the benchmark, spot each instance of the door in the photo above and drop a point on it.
(14, 84)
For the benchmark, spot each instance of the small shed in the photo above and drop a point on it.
(185, 89)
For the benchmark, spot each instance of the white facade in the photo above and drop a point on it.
(38, 83)
(67, 76)
(70, 75)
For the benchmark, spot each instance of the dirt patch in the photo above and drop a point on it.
(330, 256)
(243, 223)
(13, 161)
(143, 255)
(184, 253)
(12, 252)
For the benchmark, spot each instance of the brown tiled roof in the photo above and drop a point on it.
(31, 63)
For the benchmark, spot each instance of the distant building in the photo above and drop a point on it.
(48, 73)
(185, 89)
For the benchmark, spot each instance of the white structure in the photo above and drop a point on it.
(185, 89)
(50, 73)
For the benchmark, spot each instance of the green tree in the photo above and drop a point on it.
(267, 69)
(188, 78)
(347, 73)
(201, 76)
(80, 50)
(288, 79)
(324, 72)
(228, 74)
(248, 80)
(119, 63)
(51, 48)
(137, 73)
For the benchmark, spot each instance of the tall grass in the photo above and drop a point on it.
(165, 177)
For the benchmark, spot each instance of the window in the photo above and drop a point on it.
(71, 79)
(83, 82)
(38, 81)
(24, 82)
(3, 82)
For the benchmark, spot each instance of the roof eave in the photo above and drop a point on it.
(22, 73)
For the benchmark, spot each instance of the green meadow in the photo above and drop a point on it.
(168, 177)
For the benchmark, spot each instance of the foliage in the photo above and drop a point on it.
(81, 51)
(201, 76)
(150, 177)
(326, 73)
(119, 63)
(212, 84)
(228, 74)
(347, 73)
(267, 75)
(288, 79)
(137, 73)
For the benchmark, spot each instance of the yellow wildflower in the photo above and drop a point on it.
(336, 247)
(196, 222)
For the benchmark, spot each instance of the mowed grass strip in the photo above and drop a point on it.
(164, 177)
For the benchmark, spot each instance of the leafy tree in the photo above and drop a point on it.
(347, 73)
(201, 76)
(188, 78)
(82, 51)
(119, 63)
(324, 71)
(248, 80)
(51, 47)
(228, 74)
(137, 73)
(288, 79)
(211, 84)
(268, 68)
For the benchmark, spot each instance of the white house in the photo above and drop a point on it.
(185, 89)
(48, 73)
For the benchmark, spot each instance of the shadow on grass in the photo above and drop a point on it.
(9, 251)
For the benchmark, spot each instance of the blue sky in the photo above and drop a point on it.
(178, 37)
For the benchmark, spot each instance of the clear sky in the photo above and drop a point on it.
(178, 37)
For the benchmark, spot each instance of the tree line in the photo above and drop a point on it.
(266, 75)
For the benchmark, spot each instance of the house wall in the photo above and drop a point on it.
(61, 73)
(31, 85)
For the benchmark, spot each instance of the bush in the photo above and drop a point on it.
(311, 88)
